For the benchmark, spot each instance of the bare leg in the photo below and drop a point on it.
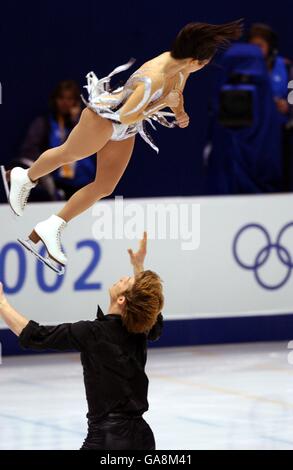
(90, 135)
(112, 161)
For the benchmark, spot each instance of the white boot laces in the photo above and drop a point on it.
(23, 196)
(58, 235)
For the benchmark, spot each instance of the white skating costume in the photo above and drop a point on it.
(106, 103)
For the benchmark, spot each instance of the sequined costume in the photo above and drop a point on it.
(107, 102)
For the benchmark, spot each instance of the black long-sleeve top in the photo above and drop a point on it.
(113, 360)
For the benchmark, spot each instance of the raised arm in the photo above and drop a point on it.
(137, 259)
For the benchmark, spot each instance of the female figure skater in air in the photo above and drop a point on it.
(108, 126)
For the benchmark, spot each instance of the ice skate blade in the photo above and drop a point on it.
(4, 179)
(28, 246)
(6, 188)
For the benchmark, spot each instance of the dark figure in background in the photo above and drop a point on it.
(243, 151)
(281, 72)
(51, 130)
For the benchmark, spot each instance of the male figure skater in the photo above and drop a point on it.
(113, 354)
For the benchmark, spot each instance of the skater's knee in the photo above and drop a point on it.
(108, 192)
(104, 190)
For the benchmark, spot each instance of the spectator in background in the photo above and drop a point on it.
(243, 154)
(51, 130)
(281, 72)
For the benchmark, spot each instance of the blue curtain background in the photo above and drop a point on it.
(42, 43)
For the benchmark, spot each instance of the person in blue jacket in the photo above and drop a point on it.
(281, 73)
(51, 130)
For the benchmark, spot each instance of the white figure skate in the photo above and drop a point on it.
(17, 185)
(48, 233)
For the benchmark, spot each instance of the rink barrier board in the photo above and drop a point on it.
(250, 301)
(196, 332)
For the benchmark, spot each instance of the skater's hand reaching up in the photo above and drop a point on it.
(137, 259)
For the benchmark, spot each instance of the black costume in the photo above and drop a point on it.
(116, 385)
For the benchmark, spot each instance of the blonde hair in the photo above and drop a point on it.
(144, 302)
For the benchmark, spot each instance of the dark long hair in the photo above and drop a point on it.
(202, 40)
(64, 85)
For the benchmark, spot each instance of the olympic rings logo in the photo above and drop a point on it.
(263, 255)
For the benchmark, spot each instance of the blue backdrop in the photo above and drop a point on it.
(44, 42)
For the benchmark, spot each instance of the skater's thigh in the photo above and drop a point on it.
(91, 134)
(112, 160)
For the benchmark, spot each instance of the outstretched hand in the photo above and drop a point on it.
(2, 296)
(137, 258)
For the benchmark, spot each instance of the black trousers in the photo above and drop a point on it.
(119, 431)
